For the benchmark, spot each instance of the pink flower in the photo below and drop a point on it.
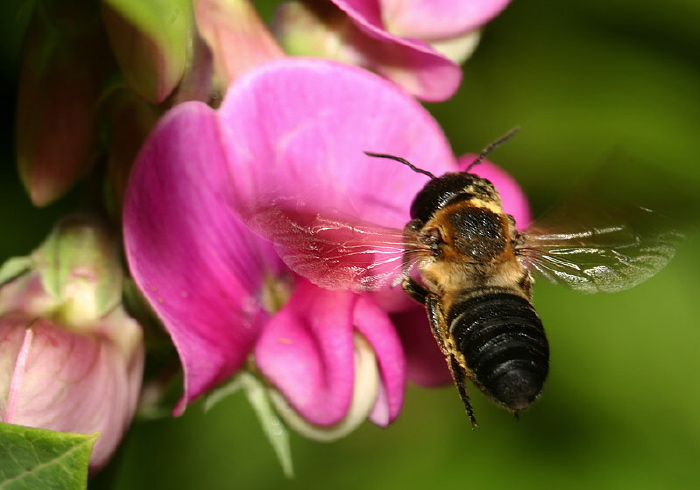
(71, 358)
(289, 129)
(418, 45)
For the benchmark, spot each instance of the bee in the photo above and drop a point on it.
(462, 257)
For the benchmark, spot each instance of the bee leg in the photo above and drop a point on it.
(415, 290)
(437, 322)
(438, 325)
(457, 369)
(431, 302)
(460, 377)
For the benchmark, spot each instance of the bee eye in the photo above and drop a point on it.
(415, 225)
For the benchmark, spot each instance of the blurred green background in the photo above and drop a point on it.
(586, 80)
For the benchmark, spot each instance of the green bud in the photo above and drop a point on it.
(151, 41)
(74, 278)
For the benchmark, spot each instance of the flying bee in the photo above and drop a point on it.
(461, 256)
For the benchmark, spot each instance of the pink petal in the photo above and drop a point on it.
(199, 267)
(298, 129)
(434, 19)
(57, 380)
(426, 365)
(374, 324)
(411, 63)
(307, 352)
(514, 199)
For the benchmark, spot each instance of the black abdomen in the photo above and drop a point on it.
(504, 345)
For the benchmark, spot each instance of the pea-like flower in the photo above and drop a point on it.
(419, 45)
(288, 128)
(71, 358)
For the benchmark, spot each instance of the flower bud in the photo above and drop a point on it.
(315, 30)
(72, 359)
(65, 62)
(236, 36)
(151, 41)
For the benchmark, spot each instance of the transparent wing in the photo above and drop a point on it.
(335, 252)
(593, 249)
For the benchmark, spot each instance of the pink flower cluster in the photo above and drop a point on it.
(297, 106)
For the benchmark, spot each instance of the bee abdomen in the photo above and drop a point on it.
(504, 346)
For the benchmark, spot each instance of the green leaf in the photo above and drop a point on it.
(37, 458)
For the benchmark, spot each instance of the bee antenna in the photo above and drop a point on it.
(401, 160)
(491, 147)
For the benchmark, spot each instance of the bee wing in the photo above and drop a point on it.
(331, 251)
(593, 249)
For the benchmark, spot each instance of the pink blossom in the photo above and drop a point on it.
(289, 129)
(418, 45)
(59, 380)
(71, 359)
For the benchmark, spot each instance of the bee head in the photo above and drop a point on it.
(449, 189)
